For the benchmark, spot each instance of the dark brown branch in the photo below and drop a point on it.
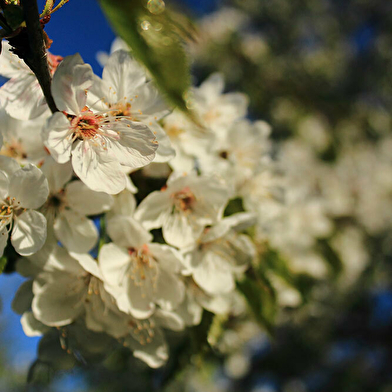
(35, 55)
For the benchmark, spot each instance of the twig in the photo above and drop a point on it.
(35, 56)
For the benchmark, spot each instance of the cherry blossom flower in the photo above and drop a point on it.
(97, 144)
(148, 272)
(221, 254)
(68, 205)
(124, 91)
(18, 204)
(184, 207)
(71, 288)
(22, 139)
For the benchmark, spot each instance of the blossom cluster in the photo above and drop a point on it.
(151, 263)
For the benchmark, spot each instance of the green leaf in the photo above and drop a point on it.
(3, 263)
(156, 39)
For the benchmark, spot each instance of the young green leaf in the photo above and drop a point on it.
(156, 40)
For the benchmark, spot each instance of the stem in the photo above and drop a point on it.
(35, 56)
(59, 5)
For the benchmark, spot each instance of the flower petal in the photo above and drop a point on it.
(57, 137)
(98, 174)
(86, 201)
(154, 354)
(123, 74)
(75, 231)
(179, 232)
(213, 276)
(4, 185)
(135, 146)
(127, 232)
(24, 181)
(31, 326)
(154, 209)
(60, 300)
(69, 84)
(56, 174)
(29, 232)
(23, 97)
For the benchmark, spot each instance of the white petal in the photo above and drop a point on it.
(178, 231)
(123, 74)
(69, 83)
(8, 165)
(140, 299)
(190, 311)
(125, 204)
(97, 174)
(57, 137)
(31, 326)
(135, 146)
(149, 103)
(23, 97)
(213, 85)
(239, 221)
(113, 261)
(29, 232)
(169, 259)
(10, 64)
(88, 263)
(57, 174)
(170, 290)
(169, 320)
(127, 232)
(213, 276)
(4, 185)
(165, 150)
(24, 181)
(60, 301)
(154, 354)
(85, 201)
(154, 209)
(75, 231)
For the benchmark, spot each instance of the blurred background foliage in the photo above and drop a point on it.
(319, 71)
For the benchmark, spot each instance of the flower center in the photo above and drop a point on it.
(85, 126)
(13, 149)
(120, 109)
(184, 200)
(7, 210)
(142, 330)
(142, 268)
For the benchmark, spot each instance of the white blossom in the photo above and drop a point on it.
(68, 205)
(148, 272)
(221, 254)
(97, 144)
(184, 207)
(18, 204)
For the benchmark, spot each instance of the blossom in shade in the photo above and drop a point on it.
(148, 272)
(221, 254)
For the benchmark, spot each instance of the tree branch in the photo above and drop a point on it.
(35, 56)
